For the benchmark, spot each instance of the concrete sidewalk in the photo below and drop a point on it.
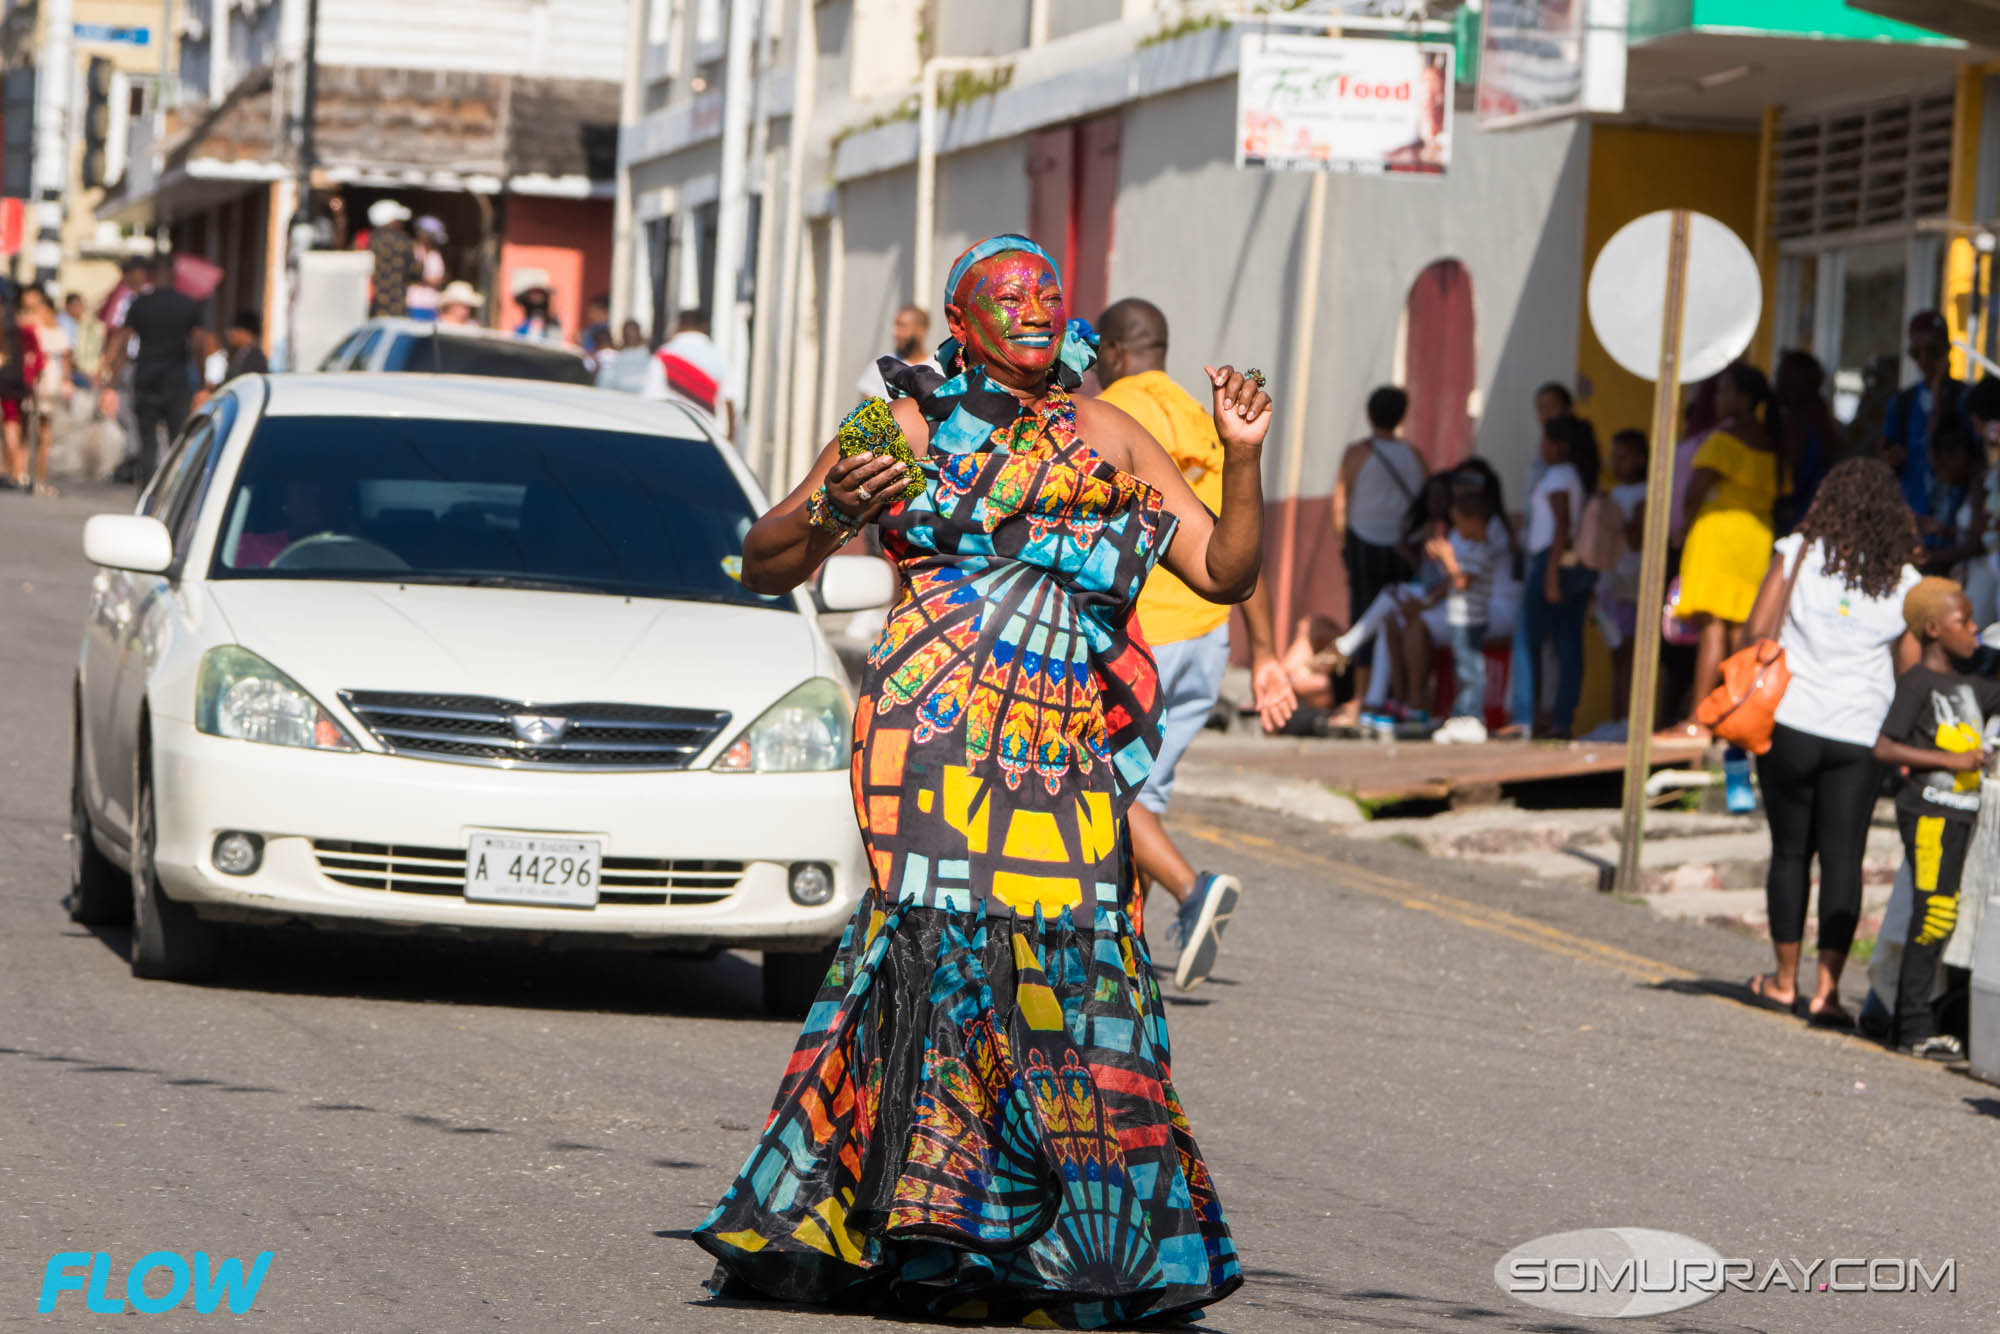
(1693, 866)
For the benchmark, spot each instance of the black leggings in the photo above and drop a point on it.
(1818, 795)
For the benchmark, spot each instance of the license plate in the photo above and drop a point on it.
(549, 872)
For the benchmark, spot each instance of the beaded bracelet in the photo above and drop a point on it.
(822, 513)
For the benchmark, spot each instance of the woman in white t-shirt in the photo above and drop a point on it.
(1844, 643)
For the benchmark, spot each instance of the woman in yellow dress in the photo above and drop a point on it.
(1731, 494)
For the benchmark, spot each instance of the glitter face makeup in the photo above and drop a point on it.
(1009, 316)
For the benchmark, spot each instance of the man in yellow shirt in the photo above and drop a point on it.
(1189, 635)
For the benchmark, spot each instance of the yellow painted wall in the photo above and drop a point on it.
(1635, 171)
(1960, 260)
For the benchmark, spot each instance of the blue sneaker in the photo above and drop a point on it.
(1197, 927)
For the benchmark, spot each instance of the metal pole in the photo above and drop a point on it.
(732, 204)
(308, 110)
(1653, 560)
(51, 163)
(168, 40)
(830, 345)
(759, 451)
(1295, 407)
(754, 274)
(632, 105)
(927, 131)
(805, 69)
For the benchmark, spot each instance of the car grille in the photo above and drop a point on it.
(645, 882)
(474, 729)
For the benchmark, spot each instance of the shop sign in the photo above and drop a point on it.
(1368, 105)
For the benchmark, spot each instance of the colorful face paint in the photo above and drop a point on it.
(1008, 314)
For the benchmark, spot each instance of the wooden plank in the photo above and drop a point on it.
(1419, 771)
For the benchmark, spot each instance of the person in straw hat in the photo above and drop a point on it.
(459, 303)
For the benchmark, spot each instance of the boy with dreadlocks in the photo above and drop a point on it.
(1938, 729)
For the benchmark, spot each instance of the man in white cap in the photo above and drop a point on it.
(395, 253)
(459, 303)
(531, 294)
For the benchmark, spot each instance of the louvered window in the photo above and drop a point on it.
(1861, 167)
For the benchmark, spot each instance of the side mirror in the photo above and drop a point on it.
(135, 542)
(854, 583)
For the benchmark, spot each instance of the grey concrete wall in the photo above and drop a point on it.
(834, 22)
(877, 215)
(980, 27)
(1220, 251)
(1068, 16)
(980, 194)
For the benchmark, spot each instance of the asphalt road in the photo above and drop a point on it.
(1403, 1070)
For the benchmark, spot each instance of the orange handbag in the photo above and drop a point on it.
(1743, 709)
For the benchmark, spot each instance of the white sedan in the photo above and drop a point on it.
(460, 654)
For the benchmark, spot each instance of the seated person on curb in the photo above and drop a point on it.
(1450, 600)
(1319, 652)
(1937, 731)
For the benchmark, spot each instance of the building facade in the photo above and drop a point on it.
(137, 53)
(1106, 130)
(498, 117)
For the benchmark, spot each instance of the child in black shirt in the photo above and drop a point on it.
(1937, 729)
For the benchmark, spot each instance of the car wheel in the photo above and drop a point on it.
(168, 941)
(792, 981)
(99, 893)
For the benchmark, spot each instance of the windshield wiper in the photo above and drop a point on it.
(541, 584)
(527, 581)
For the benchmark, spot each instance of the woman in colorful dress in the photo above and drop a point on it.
(979, 1120)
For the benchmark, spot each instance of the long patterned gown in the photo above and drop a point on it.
(978, 1120)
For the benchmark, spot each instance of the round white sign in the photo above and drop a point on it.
(1628, 296)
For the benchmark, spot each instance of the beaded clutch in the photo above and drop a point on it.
(871, 429)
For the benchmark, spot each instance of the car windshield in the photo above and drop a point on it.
(487, 504)
(448, 354)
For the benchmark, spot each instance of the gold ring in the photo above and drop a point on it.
(862, 491)
(1254, 374)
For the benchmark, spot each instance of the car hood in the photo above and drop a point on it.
(517, 644)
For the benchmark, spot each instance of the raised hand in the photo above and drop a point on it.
(1242, 408)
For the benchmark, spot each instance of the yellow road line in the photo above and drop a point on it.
(1480, 916)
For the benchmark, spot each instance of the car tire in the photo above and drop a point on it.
(169, 943)
(99, 893)
(792, 981)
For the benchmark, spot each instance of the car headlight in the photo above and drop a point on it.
(238, 694)
(805, 732)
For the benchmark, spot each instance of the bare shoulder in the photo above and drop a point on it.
(1108, 429)
(910, 417)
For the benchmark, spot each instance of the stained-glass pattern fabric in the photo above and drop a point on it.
(979, 1120)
